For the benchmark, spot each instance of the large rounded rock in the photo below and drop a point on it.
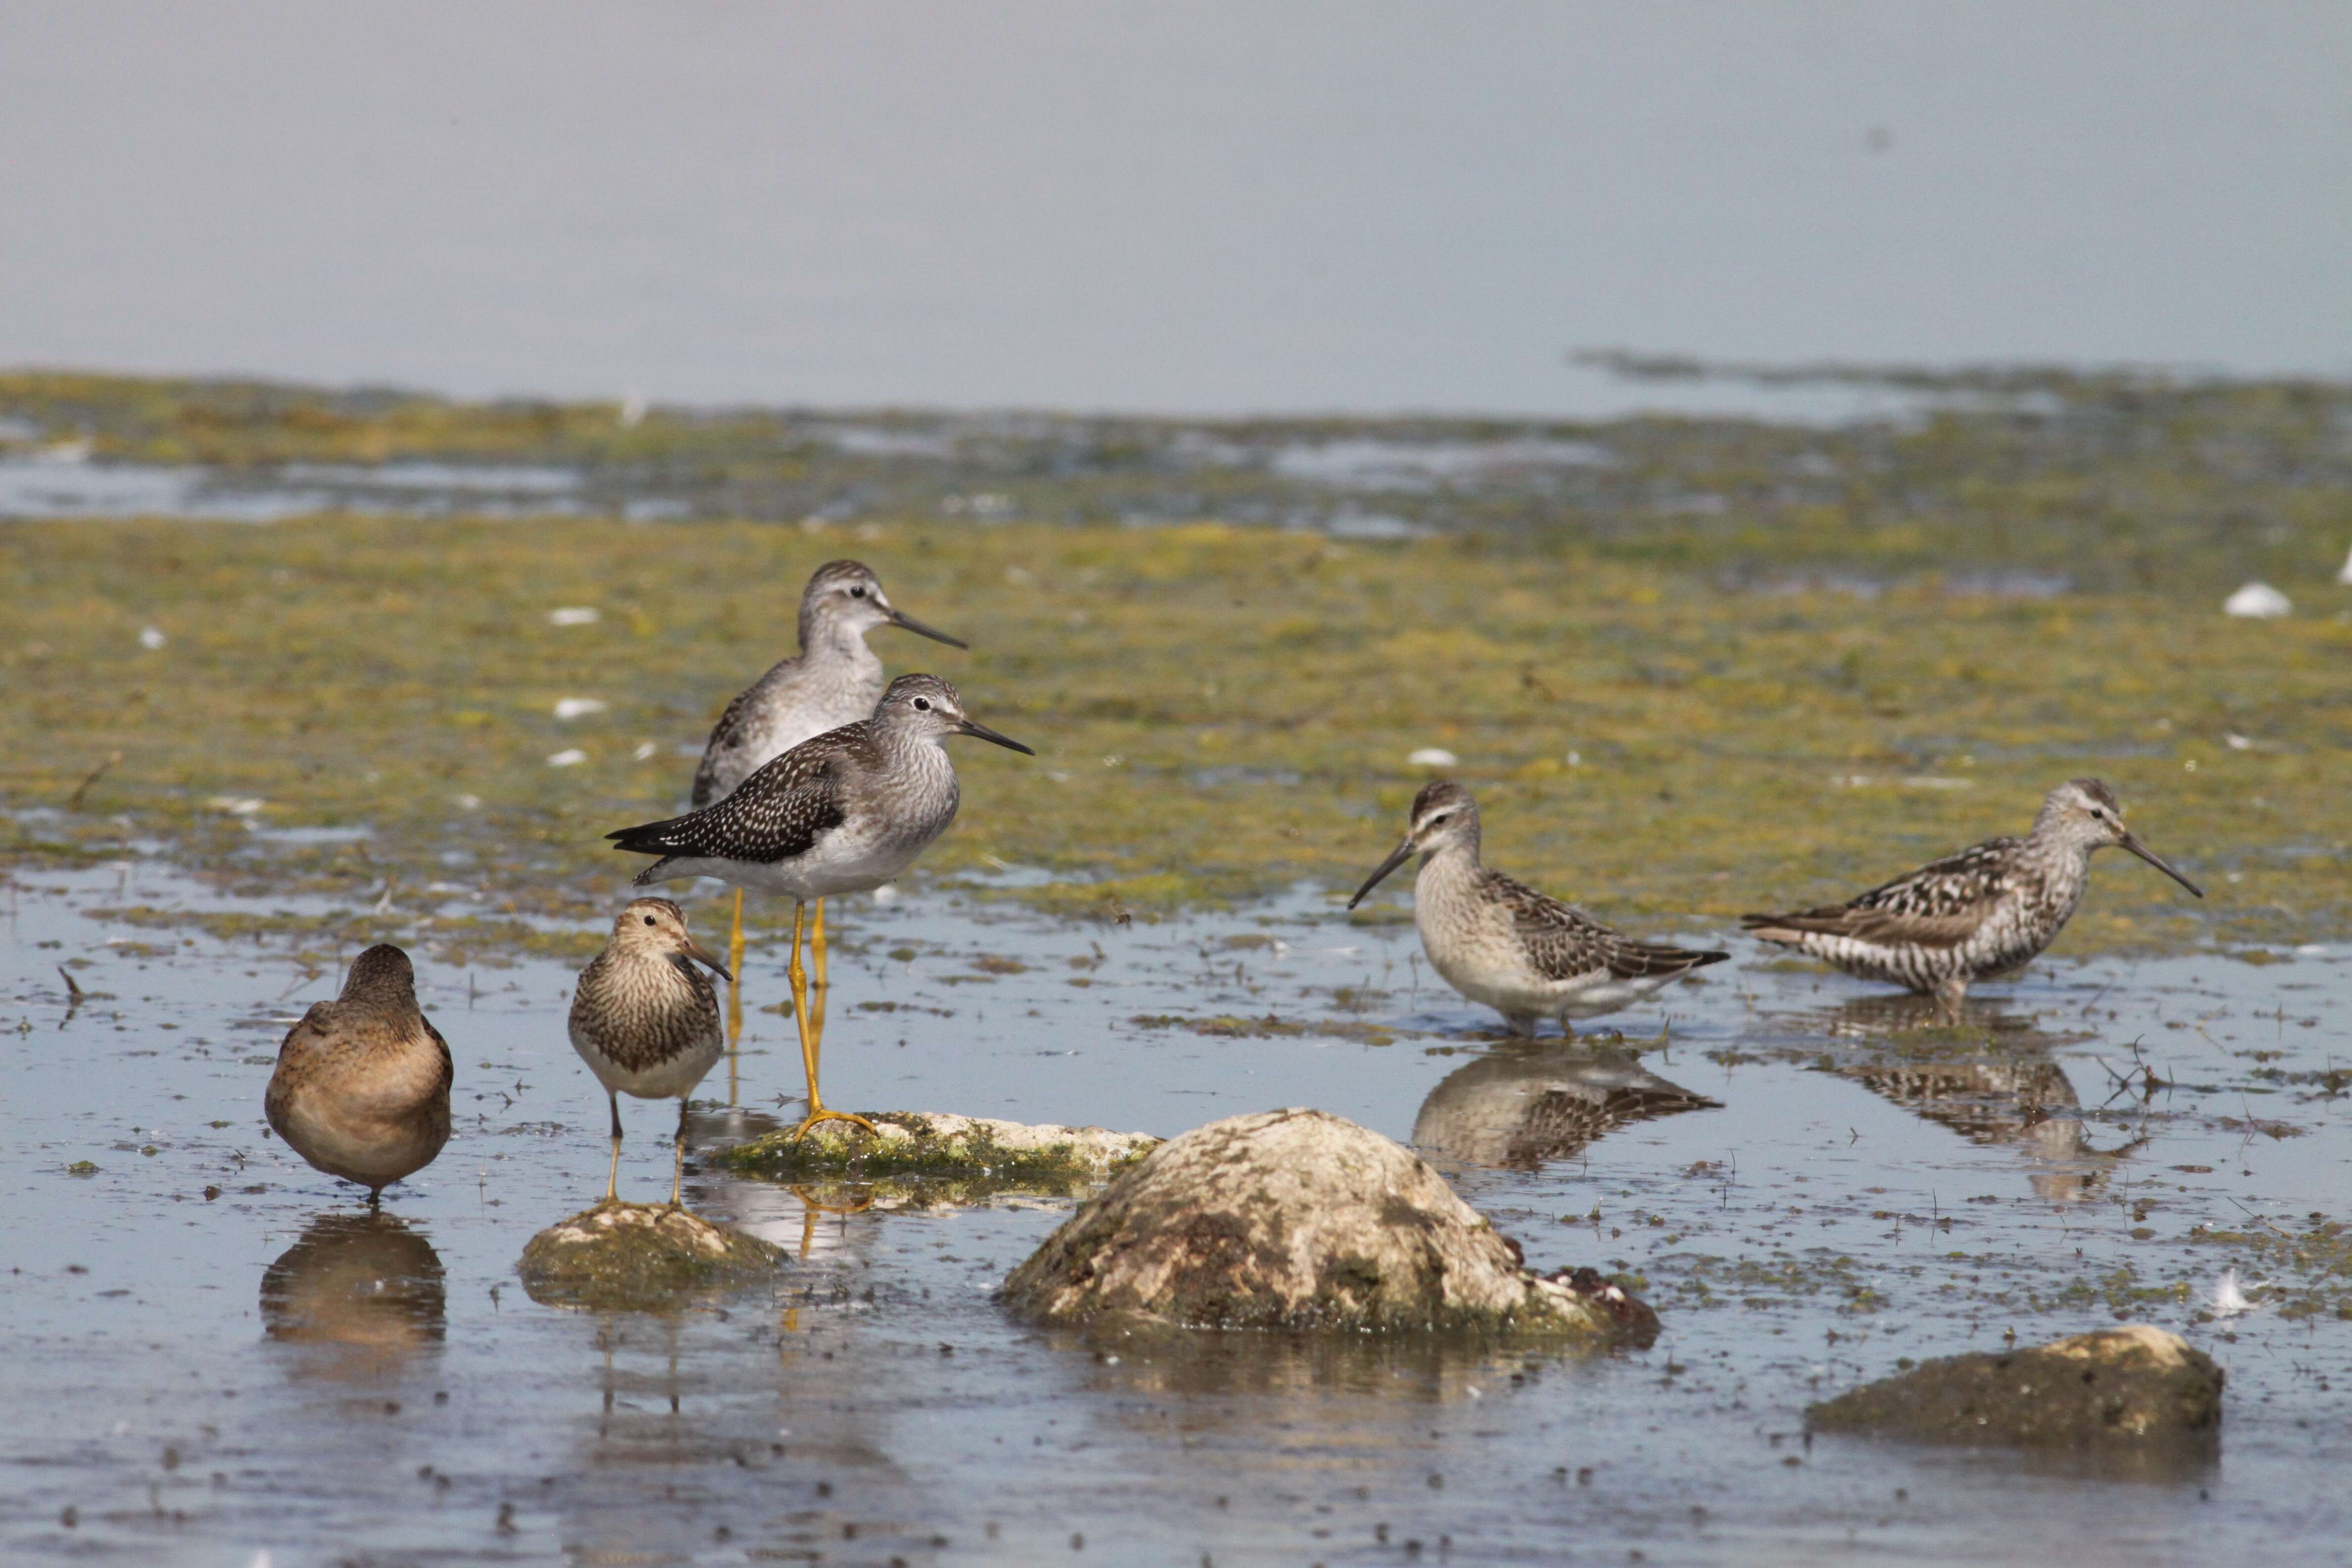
(640, 1257)
(1300, 1220)
(2135, 1385)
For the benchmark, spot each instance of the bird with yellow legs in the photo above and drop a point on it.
(834, 679)
(843, 812)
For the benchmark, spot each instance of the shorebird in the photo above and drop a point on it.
(361, 1087)
(834, 679)
(1984, 911)
(1503, 944)
(645, 1020)
(843, 812)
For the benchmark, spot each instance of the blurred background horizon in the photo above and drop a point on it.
(1211, 209)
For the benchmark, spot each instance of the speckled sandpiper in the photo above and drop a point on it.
(834, 679)
(361, 1086)
(1501, 942)
(843, 812)
(645, 1020)
(1984, 911)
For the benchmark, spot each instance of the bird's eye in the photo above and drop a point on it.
(649, 919)
(922, 704)
(1440, 818)
(858, 591)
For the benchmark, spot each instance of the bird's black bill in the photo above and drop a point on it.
(694, 952)
(1397, 857)
(2158, 861)
(983, 732)
(901, 618)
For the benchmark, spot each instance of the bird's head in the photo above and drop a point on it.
(2085, 815)
(1444, 817)
(657, 926)
(845, 598)
(924, 705)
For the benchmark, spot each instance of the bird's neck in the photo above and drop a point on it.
(2058, 861)
(829, 640)
(1452, 863)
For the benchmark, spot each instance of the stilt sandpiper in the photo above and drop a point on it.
(1984, 911)
(1503, 944)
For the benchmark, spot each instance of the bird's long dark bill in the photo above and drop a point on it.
(983, 732)
(1397, 857)
(695, 953)
(901, 618)
(2158, 861)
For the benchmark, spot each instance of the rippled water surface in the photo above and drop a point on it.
(211, 1351)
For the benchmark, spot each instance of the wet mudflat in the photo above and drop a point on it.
(211, 1351)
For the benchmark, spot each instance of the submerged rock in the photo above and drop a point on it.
(639, 1257)
(1300, 1220)
(939, 1144)
(2132, 1386)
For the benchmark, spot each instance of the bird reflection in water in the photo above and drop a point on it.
(1520, 1105)
(366, 1282)
(1988, 1075)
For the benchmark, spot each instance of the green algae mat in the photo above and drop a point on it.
(1867, 646)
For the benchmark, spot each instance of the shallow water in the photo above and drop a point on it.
(211, 1353)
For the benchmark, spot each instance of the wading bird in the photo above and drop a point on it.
(361, 1086)
(834, 679)
(1984, 911)
(843, 812)
(645, 1020)
(1501, 942)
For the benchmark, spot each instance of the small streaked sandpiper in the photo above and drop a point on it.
(645, 1020)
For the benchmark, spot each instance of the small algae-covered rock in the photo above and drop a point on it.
(639, 1257)
(2132, 1385)
(936, 1143)
(1300, 1220)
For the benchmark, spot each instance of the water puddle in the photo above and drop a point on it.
(212, 1351)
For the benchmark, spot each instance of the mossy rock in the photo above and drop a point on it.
(2130, 1387)
(1304, 1222)
(954, 1153)
(645, 1258)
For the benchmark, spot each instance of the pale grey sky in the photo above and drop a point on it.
(1199, 207)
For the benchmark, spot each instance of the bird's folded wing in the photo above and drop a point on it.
(774, 816)
(1562, 941)
(1941, 904)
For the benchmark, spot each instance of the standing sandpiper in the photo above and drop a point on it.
(1503, 944)
(361, 1087)
(843, 812)
(834, 679)
(1968, 917)
(645, 1020)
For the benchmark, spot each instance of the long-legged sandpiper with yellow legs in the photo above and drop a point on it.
(843, 812)
(834, 679)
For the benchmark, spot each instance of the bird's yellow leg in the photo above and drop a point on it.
(677, 1167)
(823, 985)
(799, 978)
